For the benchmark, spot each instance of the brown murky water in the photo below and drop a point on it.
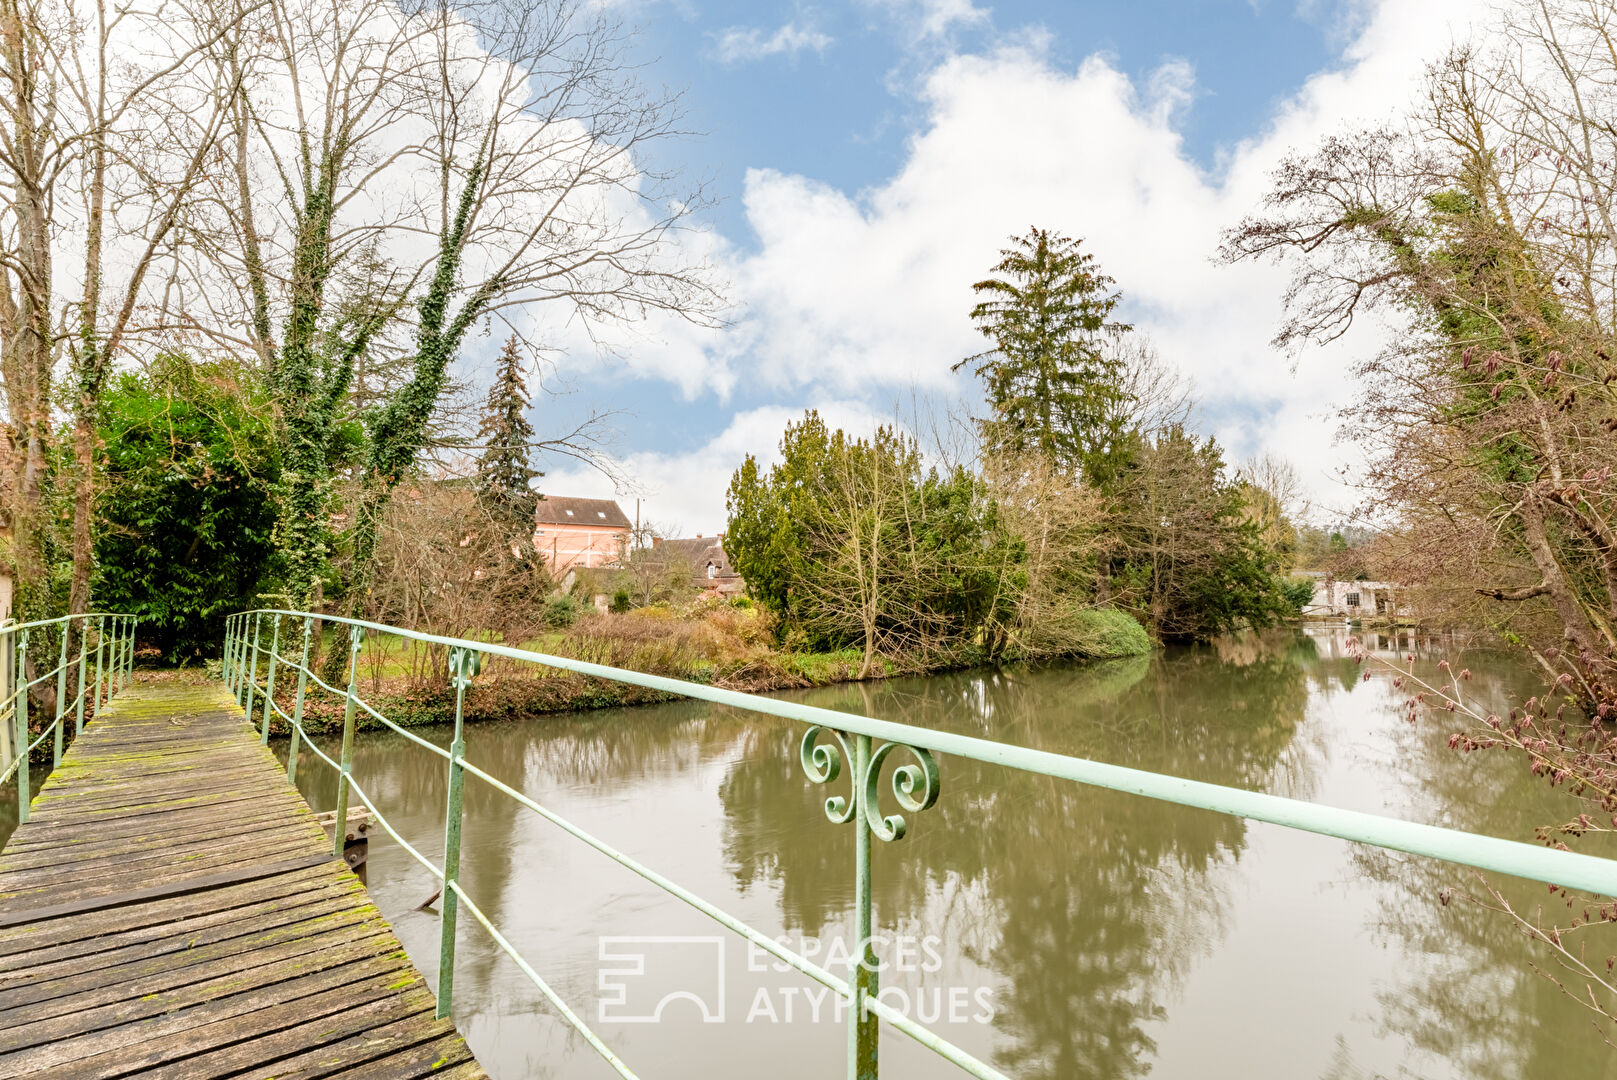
(1055, 930)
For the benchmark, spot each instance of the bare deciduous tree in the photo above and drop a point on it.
(1484, 225)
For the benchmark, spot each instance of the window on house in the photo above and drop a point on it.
(601, 514)
(1352, 599)
(569, 513)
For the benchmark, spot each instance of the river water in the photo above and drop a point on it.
(1054, 930)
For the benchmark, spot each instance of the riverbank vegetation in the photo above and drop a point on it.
(1484, 226)
(1082, 518)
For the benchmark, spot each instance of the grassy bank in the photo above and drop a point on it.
(711, 643)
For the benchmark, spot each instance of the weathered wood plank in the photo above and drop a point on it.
(23, 939)
(288, 1029)
(173, 909)
(16, 912)
(105, 950)
(351, 979)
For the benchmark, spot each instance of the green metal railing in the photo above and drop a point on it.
(114, 666)
(860, 743)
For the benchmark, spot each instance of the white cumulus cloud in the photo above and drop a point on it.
(739, 44)
(848, 295)
(854, 297)
(932, 19)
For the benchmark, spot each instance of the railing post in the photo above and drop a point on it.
(61, 696)
(250, 687)
(233, 651)
(115, 659)
(129, 652)
(269, 679)
(20, 688)
(863, 983)
(8, 666)
(297, 708)
(229, 664)
(84, 646)
(356, 638)
(241, 656)
(100, 648)
(463, 664)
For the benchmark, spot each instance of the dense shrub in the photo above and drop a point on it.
(562, 611)
(186, 521)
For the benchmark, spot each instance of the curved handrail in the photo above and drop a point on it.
(114, 664)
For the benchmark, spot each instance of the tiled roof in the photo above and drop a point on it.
(701, 550)
(566, 510)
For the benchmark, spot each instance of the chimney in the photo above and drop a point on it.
(655, 540)
(699, 536)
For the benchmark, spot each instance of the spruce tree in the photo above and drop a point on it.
(504, 476)
(1053, 390)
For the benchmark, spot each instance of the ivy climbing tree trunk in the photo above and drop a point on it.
(514, 147)
(398, 432)
(26, 333)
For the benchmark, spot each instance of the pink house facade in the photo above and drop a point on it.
(580, 533)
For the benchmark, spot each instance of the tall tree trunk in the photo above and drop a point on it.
(1579, 631)
(27, 350)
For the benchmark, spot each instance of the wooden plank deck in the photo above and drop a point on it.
(172, 909)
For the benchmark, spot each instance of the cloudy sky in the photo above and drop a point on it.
(872, 156)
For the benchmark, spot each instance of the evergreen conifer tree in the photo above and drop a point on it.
(504, 476)
(1052, 389)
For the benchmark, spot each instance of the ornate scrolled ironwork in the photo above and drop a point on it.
(915, 786)
(823, 764)
(463, 664)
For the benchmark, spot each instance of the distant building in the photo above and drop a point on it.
(710, 564)
(1359, 600)
(580, 533)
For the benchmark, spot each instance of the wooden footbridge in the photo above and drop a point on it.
(172, 908)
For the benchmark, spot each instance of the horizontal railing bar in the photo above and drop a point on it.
(764, 942)
(363, 704)
(934, 1042)
(26, 754)
(544, 987)
(10, 699)
(321, 754)
(1587, 872)
(11, 769)
(724, 918)
(353, 785)
(64, 618)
